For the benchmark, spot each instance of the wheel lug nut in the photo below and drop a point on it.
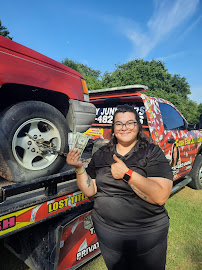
(35, 136)
(29, 142)
(33, 150)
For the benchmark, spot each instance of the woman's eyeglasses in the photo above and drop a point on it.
(129, 125)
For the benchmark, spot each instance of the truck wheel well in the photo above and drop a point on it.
(14, 93)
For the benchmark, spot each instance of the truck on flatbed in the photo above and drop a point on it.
(44, 219)
(41, 101)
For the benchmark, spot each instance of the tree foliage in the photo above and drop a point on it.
(200, 108)
(153, 74)
(91, 75)
(4, 32)
(159, 81)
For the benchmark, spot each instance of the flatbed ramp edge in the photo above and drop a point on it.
(63, 238)
(25, 204)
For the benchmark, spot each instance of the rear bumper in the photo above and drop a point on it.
(80, 115)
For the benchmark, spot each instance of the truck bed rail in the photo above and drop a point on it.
(49, 183)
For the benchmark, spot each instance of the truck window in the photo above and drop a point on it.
(172, 120)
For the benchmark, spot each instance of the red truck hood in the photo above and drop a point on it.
(18, 48)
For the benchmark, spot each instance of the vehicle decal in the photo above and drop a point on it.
(186, 146)
(78, 244)
(154, 119)
(95, 133)
(23, 218)
(84, 252)
(34, 212)
(105, 115)
(188, 141)
(10, 222)
(64, 203)
(7, 223)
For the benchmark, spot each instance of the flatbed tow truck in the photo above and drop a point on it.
(47, 222)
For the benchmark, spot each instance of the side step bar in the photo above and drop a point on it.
(181, 184)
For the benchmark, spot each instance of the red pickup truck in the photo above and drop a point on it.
(44, 220)
(41, 100)
(162, 122)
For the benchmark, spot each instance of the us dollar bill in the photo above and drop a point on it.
(71, 139)
(80, 142)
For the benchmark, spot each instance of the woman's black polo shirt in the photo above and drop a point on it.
(116, 205)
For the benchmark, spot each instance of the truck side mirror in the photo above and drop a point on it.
(192, 126)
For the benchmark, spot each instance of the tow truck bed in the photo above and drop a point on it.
(24, 205)
(48, 214)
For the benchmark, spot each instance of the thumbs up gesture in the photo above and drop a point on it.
(119, 168)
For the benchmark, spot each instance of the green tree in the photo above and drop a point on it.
(151, 73)
(159, 81)
(200, 108)
(4, 32)
(91, 75)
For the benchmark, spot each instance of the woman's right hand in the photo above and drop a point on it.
(73, 158)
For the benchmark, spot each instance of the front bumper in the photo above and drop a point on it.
(80, 115)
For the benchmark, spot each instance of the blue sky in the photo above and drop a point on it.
(103, 33)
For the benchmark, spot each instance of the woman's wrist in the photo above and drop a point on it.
(79, 173)
(79, 169)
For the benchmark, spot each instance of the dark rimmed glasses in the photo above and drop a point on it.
(129, 125)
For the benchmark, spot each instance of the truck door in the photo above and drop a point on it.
(168, 129)
(179, 143)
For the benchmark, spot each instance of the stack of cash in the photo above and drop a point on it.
(77, 141)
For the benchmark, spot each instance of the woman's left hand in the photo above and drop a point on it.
(73, 158)
(119, 168)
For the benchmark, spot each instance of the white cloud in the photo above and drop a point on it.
(167, 16)
(174, 55)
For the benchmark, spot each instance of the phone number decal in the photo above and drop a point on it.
(105, 115)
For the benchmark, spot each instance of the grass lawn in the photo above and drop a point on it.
(184, 241)
(185, 233)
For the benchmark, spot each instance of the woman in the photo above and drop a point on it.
(131, 180)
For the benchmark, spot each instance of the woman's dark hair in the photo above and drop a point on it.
(142, 139)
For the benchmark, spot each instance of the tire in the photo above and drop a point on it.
(196, 174)
(24, 128)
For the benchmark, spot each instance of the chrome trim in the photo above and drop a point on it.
(86, 98)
